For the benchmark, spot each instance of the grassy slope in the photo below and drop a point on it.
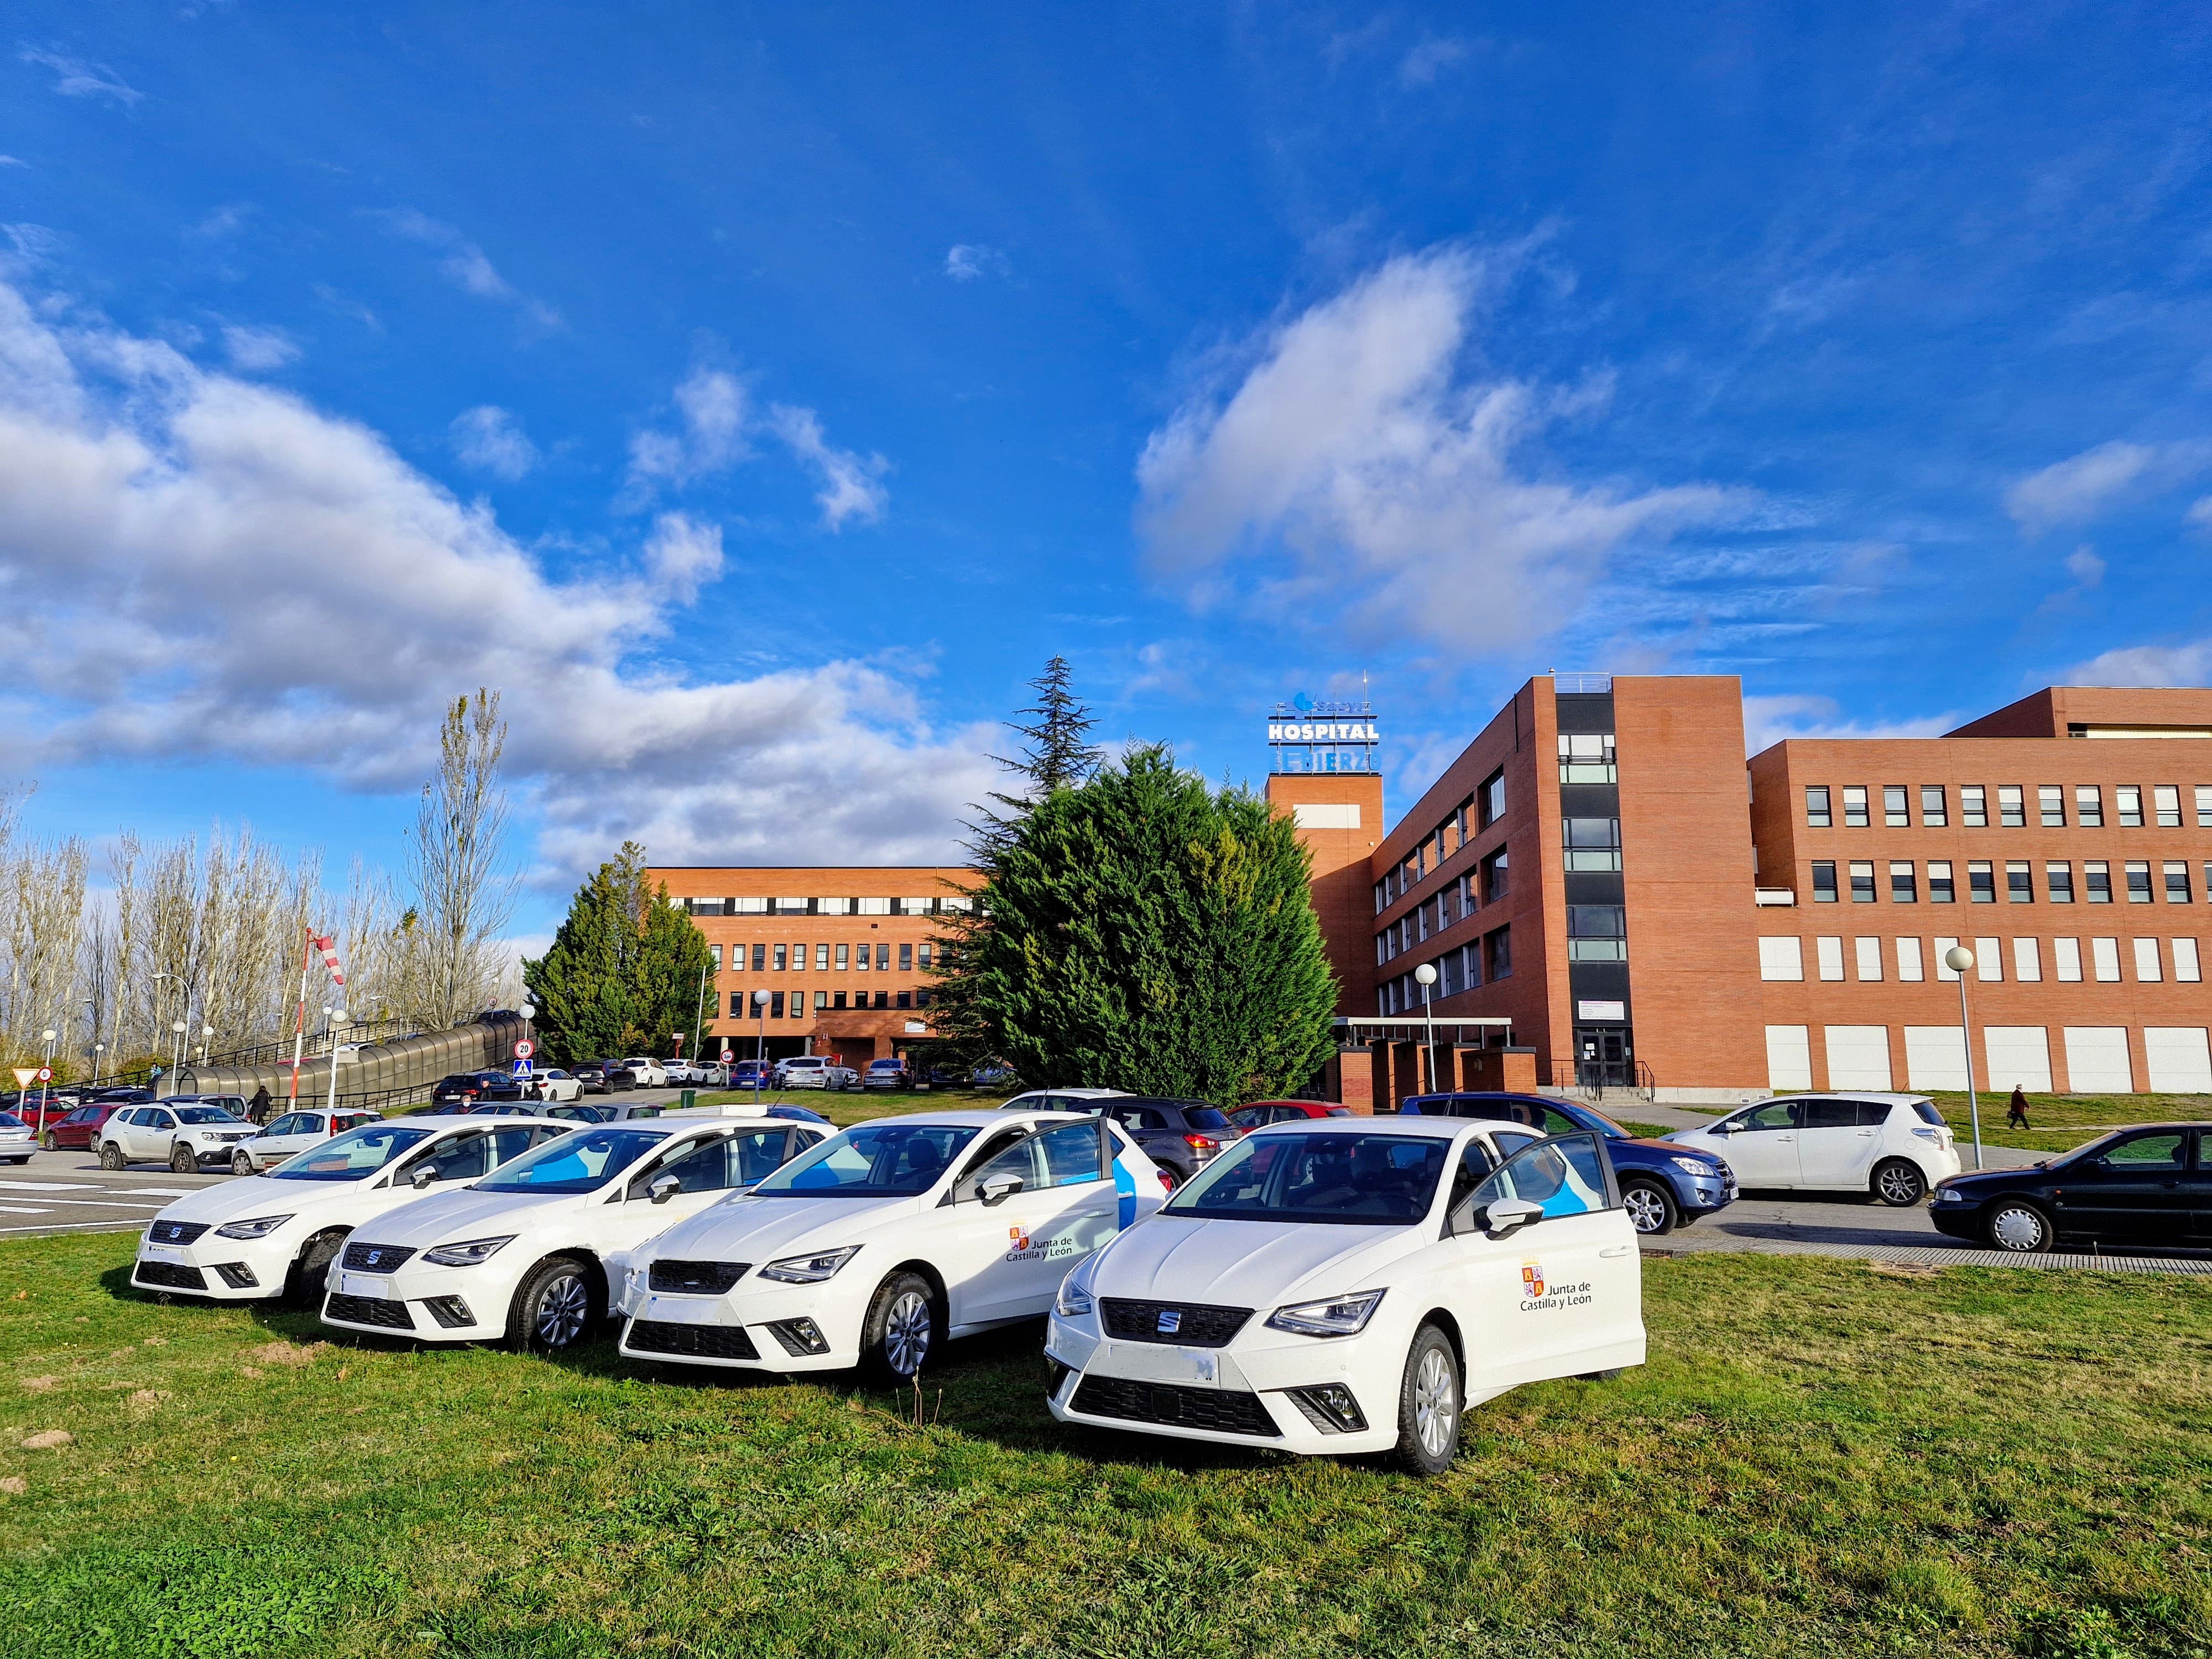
(1818, 1456)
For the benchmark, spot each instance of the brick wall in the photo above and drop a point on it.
(1340, 851)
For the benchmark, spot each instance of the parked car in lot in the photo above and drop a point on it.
(292, 1134)
(523, 1253)
(596, 1112)
(1663, 1186)
(649, 1072)
(275, 1234)
(1895, 1146)
(1261, 1113)
(491, 1109)
(888, 1074)
(18, 1140)
(1351, 1286)
(814, 1072)
(603, 1077)
(710, 1075)
(183, 1134)
(751, 1073)
(683, 1073)
(886, 1241)
(463, 1087)
(1181, 1136)
(2145, 1187)
(994, 1074)
(78, 1128)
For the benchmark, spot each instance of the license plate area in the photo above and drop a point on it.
(366, 1285)
(163, 1253)
(1152, 1362)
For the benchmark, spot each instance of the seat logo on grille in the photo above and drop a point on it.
(372, 1257)
(1170, 1320)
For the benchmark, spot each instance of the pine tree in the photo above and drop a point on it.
(623, 973)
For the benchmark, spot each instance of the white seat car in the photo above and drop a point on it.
(1351, 1285)
(183, 1134)
(649, 1072)
(1895, 1146)
(887, 1240)
(292, 1134)
(553, 1087)
(275, 1234)
(814, 1072)
(525, 1253)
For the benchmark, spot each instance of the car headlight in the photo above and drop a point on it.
(1695, 1166)
(1075, 1300)
(1337, 1315)
(810, 1269)
(1949, 1195)
(260, 1227)
(468, 1253)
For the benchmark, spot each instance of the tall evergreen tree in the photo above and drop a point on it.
(622, 974)
(1144, 932)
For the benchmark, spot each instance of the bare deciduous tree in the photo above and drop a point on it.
(456, 864)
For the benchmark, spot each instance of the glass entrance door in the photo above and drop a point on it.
(1605, 1057)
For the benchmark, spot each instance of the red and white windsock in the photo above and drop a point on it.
(327, 945)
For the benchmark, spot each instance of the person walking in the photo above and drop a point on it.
(257, 1110)
(2016, 1111)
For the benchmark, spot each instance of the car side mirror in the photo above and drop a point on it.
(422, 1177)
(1723, 1128)
(999, 1188)
(665, 1188)
(1502, 1218)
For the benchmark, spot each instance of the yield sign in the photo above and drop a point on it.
(26, 1075)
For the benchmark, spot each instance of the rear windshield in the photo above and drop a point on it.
(1371, 1180)
(1205, 1117)
(1926, 1112)
(9, 1121)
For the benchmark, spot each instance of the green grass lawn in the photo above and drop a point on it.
(2064, 1121)
(1820, 1457)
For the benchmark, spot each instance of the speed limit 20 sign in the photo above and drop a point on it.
(523, 1049)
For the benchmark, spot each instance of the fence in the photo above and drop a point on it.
(405, 1066)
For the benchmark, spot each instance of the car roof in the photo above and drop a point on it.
(1435, 1128)
(473, 1120)
(1840, 1094)
(976, 1120)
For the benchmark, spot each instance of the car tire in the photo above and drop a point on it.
(555, 1309)
(111, 1156)
(49, 1143)
(305, 1284)
(2017, 1226)
(181, 1161)
(242, 1164)
(903, 1330)
(1429, 1402)
(1652, 1208)
(1898, 1183)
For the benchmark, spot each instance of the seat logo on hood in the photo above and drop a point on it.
(1170, 1320)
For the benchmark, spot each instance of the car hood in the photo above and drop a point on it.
(253, 1196)
(1980, 1182)
(467, 1214)
(1650, 1147)
(1246, 1264)
(756, 1229)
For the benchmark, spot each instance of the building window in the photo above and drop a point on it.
(2020, 883)
(822, 959)
(1816, 806)
(1781, 957)
(1973, 806)
(1491, 796)
(921, 955)
(1421, 920)
(1939, 882)
(775, 1005)
(2205, 806)
(1862, 882)
(2165, 799)
(882, 998)
(2066, 960)
(903, 1000)
(2097, 881)
(1470, 964)
(1855, 806)
(837, 999)
(2127, 803)
(1496, 879)
(1498, 954)
(1981, 883)
(783, 959)
(1903, 888)
(714, 957)
(1908, 961)
(1828, 958)
(1824, 881)
(921, 999)
(821, 1001)
(844, 953)
(2186, 971)
(2138, 883)
(737, 1005)
(2027, 961)
(1933, 813)
(2088, 806)
(2012, 810)
(760, 958)
(1592, 843)
(2176, 882)
(2058, 883)
(1895, 813)
(1597, 932)
(1586, 758)
(1870, 959)
(1944, 971)
(906, 958)
(861, 959)
(2050, 802)
(1380, 902)
(748, 907)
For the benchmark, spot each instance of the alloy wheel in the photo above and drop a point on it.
(906, 1333)
(1435, 1402)
(563, 1307)
(1900, 1184)
(1647, 1211)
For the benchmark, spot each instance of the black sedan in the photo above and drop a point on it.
(2144, 1188)
(601, 1076)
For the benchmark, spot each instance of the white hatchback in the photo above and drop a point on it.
(1895, 1146)
(292, 1134)
(275, 1235)
(1351, 1285)
(888, 1239)
(525, 1253)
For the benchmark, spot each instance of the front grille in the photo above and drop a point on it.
(174, 1274)
(370, 1310)
(699, 1341)
(1197, 1325)
(376, 1258)
(695, 1278)
(176, 1232)
(1225, 1411)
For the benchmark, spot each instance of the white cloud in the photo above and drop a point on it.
(488, 439)
(2189, 663)
(256, 349)
(225, 221)
(222, 572)
(1769, 720)
(852, 485)
(13, 161)
(1359, 468)
(2085, 566)
(2078, 488)
(469, 269)
(719, 423)
(967, 261)
(82, 80)
(2200, 513)
(1425, 63)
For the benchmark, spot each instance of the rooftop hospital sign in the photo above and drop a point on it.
(1306, 736)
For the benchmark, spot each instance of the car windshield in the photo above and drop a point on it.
(352, 1156)
(203, 1115)
(890, 1160)
(1372, 1180)
(582, 1162)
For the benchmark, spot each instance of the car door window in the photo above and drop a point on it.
(2158, 1151)
(1829, 1115)
(159, 1120)
(1072, 1154)
(1873, 1113)
(1510, 1141)
(1566, 1175)
(1775, 1115)
(1475, 1163)
(1556, 1123)
(1022, 1161)
(463, 1158)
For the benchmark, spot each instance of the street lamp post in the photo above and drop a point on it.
(1958, 959)
(206, 1031)
(760, 1041)
(1426, 977)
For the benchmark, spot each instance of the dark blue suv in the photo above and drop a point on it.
(1663, 1186)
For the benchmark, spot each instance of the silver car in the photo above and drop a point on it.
(18, 1140)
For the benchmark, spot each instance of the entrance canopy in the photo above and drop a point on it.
(1487, 1033)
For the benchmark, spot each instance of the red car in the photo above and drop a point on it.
(73, 1130)
(1261, 1113)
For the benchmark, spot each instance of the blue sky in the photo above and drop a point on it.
(757, 395)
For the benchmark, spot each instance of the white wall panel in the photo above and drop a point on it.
(1858, 1056)
(2097, 1060)
(1934, 1057)
(2179, 1059)
(2017, 1056)
(1788, 1058)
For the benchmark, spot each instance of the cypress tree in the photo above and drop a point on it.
(623, 972)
